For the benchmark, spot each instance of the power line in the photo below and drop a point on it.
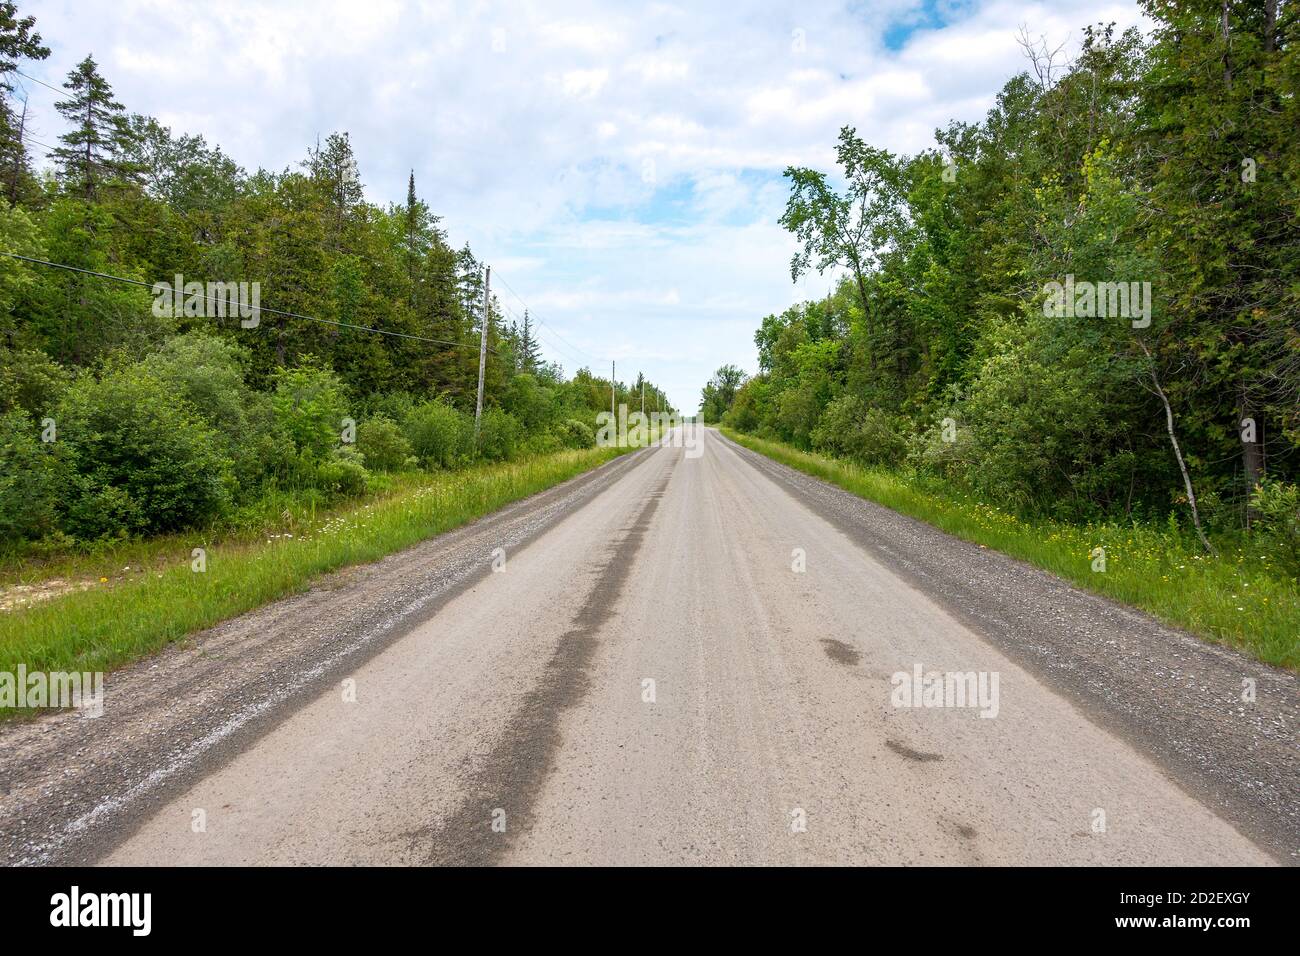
(42, 83)
(542, 321)
(260, 309)
(567, 354)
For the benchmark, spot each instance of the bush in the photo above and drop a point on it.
(310, 405)
(530, 403)
(1277, 509)
(498, 435)
(544, 442)
(1050, 437)
(141, 460)
(384, 446)
(850, 428)
(209, 373)
(944, 452)
(748, 407)
(440, 436)
(343, 473)
(28, 488)
(31, 381)
(575, 434)
(264, 449)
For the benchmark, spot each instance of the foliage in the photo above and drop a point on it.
(28, 487)
(576, 434)
(850, 428)
(1277, 505)
(499, 435)
(139, 458)
(310, 404)
(440, 436)
(1162, 161)
(382, 444)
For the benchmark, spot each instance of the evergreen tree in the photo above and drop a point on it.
(335, 168)
(420, 231)
(529, 354)
(95, 150)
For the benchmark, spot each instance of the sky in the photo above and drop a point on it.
(618, 164)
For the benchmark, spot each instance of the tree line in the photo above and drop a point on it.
(120, 419)
(1160, 162)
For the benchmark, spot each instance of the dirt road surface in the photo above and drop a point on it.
(680, 658)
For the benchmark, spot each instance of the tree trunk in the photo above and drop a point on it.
(1252, 454)
(1178, 452)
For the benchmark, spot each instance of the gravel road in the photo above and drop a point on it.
(673, 659)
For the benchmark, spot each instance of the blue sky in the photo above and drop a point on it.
(618, 165)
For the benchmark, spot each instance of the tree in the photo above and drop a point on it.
(334, 168)
(851, 230)
(18, 41)
(95, 150)
(720, 392)
(1220, 113)
(529, 354)
(181, 171)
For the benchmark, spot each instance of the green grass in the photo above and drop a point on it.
(157, 598)
(1239, 597)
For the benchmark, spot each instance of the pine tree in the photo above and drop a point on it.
(94, 150)
(529, 356)
(420, 232)
(335, 167)
(470, 283)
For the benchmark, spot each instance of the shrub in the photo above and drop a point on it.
(1277, 509)
(209, 373)
(544, 442)
(382, 443)
(529, 402)
(575, 434)
(498, 435)
(440, 436)
(948, 454)
(141, 460)
(310, 405)
(1050, 436)
(392, 405)
(264, 448)
(28, 488)
(31, 381)
(850, 428)
(343, 473)
(748, 407)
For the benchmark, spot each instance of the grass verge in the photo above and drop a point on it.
(1236, 598)
(105, 626)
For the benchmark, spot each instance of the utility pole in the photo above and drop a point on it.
(482, 352)
(643, 395)
(613, 389)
